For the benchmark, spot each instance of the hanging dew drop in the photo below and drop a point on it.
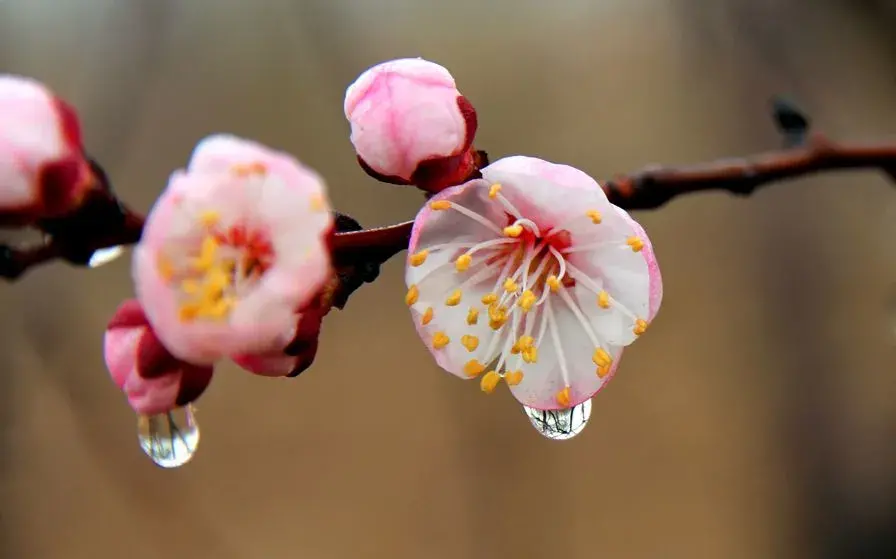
(103, 256)
(560, 425)
(169, 439)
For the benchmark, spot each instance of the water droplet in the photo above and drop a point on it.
(560, 425)
(103, 256)
(169, 439)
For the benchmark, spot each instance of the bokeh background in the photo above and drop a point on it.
(756, 420)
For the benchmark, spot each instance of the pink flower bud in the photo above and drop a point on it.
(43, 171)
(410, 125)
(232, 249)
(153, 380)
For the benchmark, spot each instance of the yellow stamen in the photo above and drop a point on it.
(190, 286)
(246, 169)
(640, 327)
(527, 300)
(440, 340)
(207, 253)
(473, 368)
(489, 382)
(209, 218)
(489, 299)
(513, 231)
(419, 258)
(595, 216)
(494, 190)
(412, 295)
(603, 371)
(513, 378)
(454, 299)
(427, 316)
(470, 342)
(472, 316)
(188, 312)
(510, 286)
(553, 283)
(636, 243)
(603, 300)
(318, 204)
(530, 354)
(440, 205)
(563, 397)
(463, 262)
(166, 268)
(601, 358)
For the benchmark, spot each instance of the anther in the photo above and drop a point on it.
(472, 316)
(317, 203)
(427, 316)
(454, 299)
(246, 169)
(494, 190)
(463, 262)
(640, 327)
(412, 295)
(601, 358)
(595, 216)
(470, 342)
(563, 397)
(209, 218)
(636, 243)
(489, 382)
(440, 340)
(527, 300)
(489, 299)
(473, 368)
(513, 231)
(513, 378)
(440, 205)
(553, 283)
(419, 258)
(603, 300)
(603, 371)
(510, 286)
(530, 354)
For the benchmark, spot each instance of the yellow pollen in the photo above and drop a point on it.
(318, 204)
(513, 231)
(189, 312)
(190, 286)
(497, 323)
(595, 216)
(494, 190)
(209, 218)
(246, 169)
(166, 268)
(530, 354)
(640, 327)
(440, 340)
(489, 382)
(601, 358)
(463, 262)
(527, 300)
(218, 309)
(636, 243)
(526, 342)
(603, 300)
(470, 342)
(489, 299)
(510, 286)
(440, 205)
(427, 316)
(563, 397)
(419, 258)
(513, 378)
(472, 316)
(412, 295)
(473, 368)
(603, 371)
(454, 299)
(207, 252)
(553, 283)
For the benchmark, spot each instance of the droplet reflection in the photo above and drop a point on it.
(560, 425)
(103, 256)
(169, 439)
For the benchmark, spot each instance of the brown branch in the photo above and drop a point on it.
(650, 188)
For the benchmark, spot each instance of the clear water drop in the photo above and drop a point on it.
(560, 425)
(169, 439)
(103, 256)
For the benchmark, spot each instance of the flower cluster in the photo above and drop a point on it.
(519, 271)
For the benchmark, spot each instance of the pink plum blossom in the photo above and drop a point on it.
(153, 380)
(410, 124)
(232, 250)
(530, 275)
(292, 353)
(43, 171)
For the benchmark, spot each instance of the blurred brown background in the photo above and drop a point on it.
(756, 420)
